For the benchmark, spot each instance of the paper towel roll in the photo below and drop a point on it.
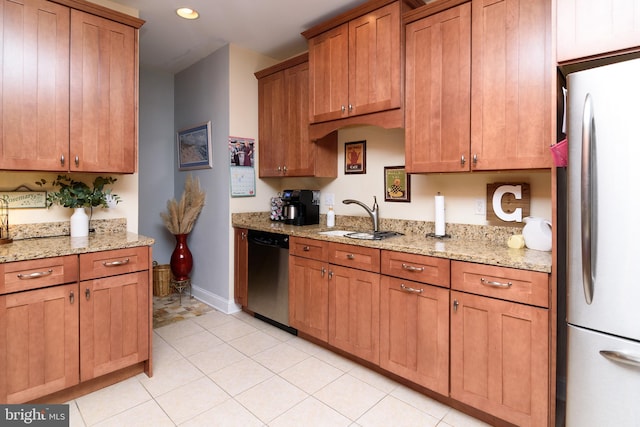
(439, 231)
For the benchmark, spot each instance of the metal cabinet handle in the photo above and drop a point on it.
(72, 297)
(495, 284)
(620, 357)
(409, 289)
(116, 263)
(77, 160)
(279, 168)
(62, 160)
(243, 235)
(35, 275)
(342, 108)
(306, 248)
(322, 271)
(350, 108)
(475, 159)
(284, 169)
(412, 268)
(330, 274)
(87, 293)
(455, 305)
(462, 160)
(351, 256)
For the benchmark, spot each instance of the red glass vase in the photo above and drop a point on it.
(181, 259)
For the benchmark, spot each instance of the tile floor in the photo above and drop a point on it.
(234, 370)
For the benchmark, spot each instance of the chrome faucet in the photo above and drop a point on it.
(373, 212)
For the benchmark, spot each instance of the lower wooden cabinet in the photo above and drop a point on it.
(114, 323)
(69, 319)
(414, 332)
(309, 296)
(240, 266)
(354, 315)
(38, 342)
(500, 358)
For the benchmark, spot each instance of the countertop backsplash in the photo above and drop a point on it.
(55, 229)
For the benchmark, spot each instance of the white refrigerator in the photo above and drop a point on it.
(603, 246)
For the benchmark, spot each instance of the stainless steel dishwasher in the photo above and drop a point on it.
(268, 284)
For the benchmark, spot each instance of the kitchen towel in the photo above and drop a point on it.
(439, 228)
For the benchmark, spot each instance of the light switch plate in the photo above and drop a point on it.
(481, 208)
(329, 199)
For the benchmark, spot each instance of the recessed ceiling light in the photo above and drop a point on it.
(186, 13)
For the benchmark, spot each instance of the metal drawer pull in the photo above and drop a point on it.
(35, 275)
(116, 263)
(495, 284)
(306, 248)
(412, 268)
(620, 357)
(408, 289)
(351, 256)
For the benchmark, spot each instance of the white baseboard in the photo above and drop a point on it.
(216, 301)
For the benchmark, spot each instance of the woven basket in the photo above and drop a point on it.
(161, 280)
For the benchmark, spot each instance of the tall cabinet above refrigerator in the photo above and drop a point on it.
(603, 265)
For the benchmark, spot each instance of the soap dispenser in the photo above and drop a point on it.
(331, 217)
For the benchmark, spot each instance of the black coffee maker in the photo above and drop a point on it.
(301, 207)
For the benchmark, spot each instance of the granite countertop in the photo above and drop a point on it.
(479, 244)
(47, 247)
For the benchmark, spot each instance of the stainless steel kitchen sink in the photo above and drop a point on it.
(373, 235)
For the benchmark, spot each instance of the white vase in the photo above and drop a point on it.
(79, 223)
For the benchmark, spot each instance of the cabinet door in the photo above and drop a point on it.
(34, 65)
(354, 312)
(103, 95)
(500, 358)
(272, 115)
(438, 90)
(595, 27)
(511, 103)
(38, 342)
(309, 296)
(299, 150)
(240, 266)
(374, 61)
(329, 75)
(414, 332)
(114, 320)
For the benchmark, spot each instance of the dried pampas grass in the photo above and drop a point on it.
(181, 216)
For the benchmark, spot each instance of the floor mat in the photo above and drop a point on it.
(169, 309)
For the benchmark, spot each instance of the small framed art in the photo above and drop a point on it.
(397, 184)
(194, 147)
(355, 157)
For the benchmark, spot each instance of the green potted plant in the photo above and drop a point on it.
(78, 195)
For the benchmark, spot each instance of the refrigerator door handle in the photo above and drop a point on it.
(587, 186)
(621, 357)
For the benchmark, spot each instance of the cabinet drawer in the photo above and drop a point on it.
(528, 287)
(355, 256)
(309, 248)
(419, 268)
(38, 273)
(111, 263)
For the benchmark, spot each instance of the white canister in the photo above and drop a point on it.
(537, 233)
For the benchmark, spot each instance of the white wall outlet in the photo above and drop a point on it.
(481, 208)
(329, 199)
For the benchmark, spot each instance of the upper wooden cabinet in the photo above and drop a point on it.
(355, 66)
(34, 118)
(438, 91)
(593, 28)
(283, 125)
(69, 87)
(512, 84)
(103, 135)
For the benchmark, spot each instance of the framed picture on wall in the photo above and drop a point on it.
(355, 157)
(397, 184)
(194, 147)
